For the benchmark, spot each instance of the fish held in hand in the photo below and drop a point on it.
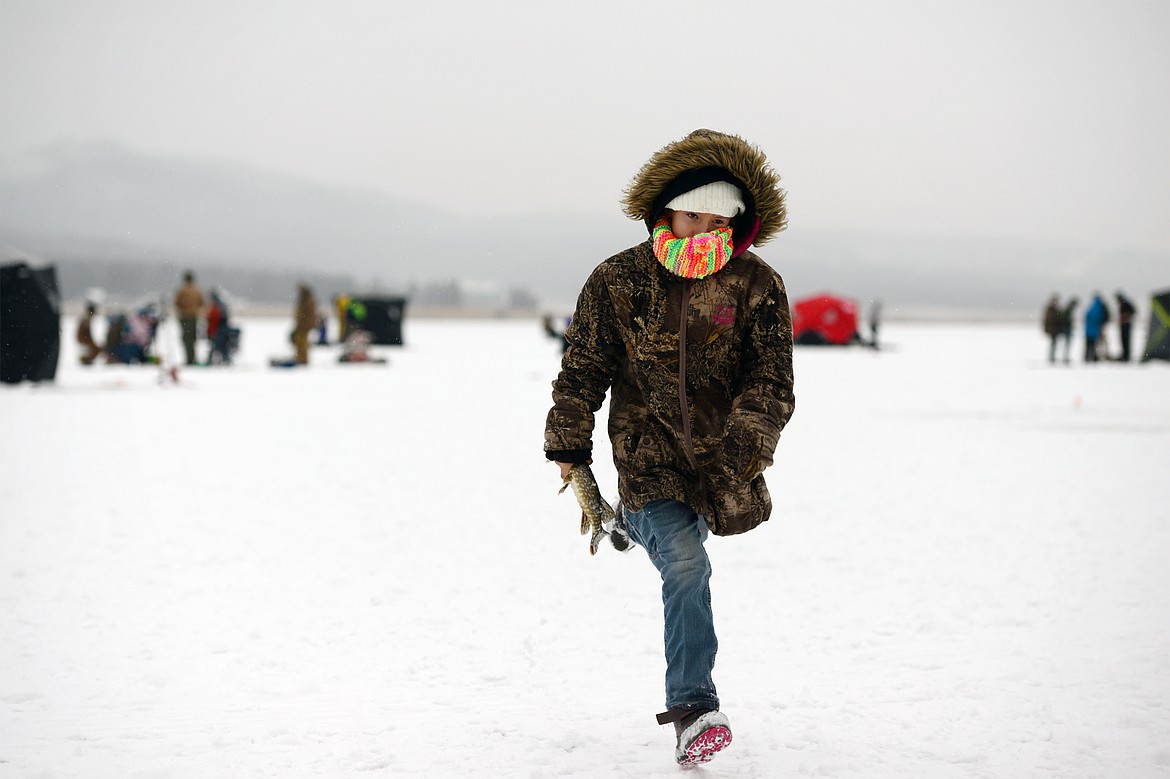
(595, 511)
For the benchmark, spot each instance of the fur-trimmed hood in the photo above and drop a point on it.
(702, 157)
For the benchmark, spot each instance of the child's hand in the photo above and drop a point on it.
(566, 467)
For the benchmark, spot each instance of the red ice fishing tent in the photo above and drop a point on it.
(1158, 343)
(824, 319)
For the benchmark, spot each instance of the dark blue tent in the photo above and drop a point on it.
(381, 317)
(30, 323)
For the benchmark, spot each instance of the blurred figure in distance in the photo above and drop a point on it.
(89, 347)
(1053, 327)
(188, 308)
(1125, 313)
(1068, 317)
(1096, 317)
(305, 320)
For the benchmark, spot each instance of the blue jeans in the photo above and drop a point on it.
(672, 535)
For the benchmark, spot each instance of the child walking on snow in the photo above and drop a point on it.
(691, 334)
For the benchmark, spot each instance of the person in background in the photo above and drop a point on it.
(304, 321)
(322, 330)
(188, 308)
(1068, 316)
(341, 303)
(1125, 313)
(116, 327)
(218, 330)
(1096, 317)
(137, 335)
(691, 336)
(552, 332)
(90, 350)
(875, 322)
(1053, 326)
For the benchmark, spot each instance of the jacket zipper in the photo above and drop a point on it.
(688, 442)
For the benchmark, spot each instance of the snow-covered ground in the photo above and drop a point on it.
(367, 570)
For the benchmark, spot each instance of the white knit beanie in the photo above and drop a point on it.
(719, 197)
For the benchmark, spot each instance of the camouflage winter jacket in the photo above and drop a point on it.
(696, 418)
(700, 371)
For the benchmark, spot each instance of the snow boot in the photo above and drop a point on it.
(700, 733)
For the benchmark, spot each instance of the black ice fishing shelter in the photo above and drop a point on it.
(30, 323)
(1158, 344)
(381, 317)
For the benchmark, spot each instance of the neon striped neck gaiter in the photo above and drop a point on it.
(692, 258)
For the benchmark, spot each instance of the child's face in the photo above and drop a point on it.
(685, 224)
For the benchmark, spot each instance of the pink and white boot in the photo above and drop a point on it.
(700, 735)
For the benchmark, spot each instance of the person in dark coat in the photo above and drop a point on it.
(1053, 327)
(691, 335)
(552, 332)
(1068, 316)
(1125, 314)
(875, 321)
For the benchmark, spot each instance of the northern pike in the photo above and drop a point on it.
(595, 511)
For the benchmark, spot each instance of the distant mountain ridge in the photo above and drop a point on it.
(105, 194)
(101, 201)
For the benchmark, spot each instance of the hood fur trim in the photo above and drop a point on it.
(708, 148)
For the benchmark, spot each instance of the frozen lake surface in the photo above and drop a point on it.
(367, 571)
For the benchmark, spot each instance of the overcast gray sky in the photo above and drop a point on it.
(1036, 120)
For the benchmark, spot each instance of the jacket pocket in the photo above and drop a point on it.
(625, 445)
(737, 505)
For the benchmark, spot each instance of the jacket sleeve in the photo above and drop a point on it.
(587, 370)
(765, 400)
